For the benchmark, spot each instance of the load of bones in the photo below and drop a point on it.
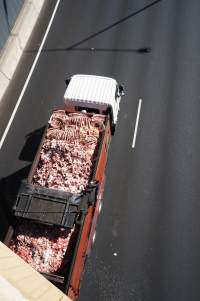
(66, 159)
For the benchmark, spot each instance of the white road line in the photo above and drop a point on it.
(136, 123)
(29, 76)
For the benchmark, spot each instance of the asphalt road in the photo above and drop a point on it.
(147, 246)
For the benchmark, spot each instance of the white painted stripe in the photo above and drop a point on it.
(29, 76)
(136, 123)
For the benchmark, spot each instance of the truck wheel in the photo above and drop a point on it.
(113, 129)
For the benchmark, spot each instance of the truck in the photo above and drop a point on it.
(57, 206)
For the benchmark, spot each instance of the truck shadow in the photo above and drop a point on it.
(31, 145)
(9, 187)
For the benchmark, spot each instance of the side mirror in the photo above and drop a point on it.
(121, 90)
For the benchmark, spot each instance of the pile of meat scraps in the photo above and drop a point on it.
(42, 246)
(68, 151)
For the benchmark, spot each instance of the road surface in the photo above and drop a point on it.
(147, 245)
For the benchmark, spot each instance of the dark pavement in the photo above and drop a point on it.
(147, 246)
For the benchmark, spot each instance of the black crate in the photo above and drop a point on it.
(48, 206)
(54, 207)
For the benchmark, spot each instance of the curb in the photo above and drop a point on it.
(17, 41)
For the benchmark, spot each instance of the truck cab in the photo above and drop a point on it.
(94, 93)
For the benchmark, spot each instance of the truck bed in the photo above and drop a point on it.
(52, 209)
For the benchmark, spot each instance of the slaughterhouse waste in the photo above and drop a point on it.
(66, 161)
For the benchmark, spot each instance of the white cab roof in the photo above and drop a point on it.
(91, 88)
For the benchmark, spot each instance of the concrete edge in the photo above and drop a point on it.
(17, 41)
